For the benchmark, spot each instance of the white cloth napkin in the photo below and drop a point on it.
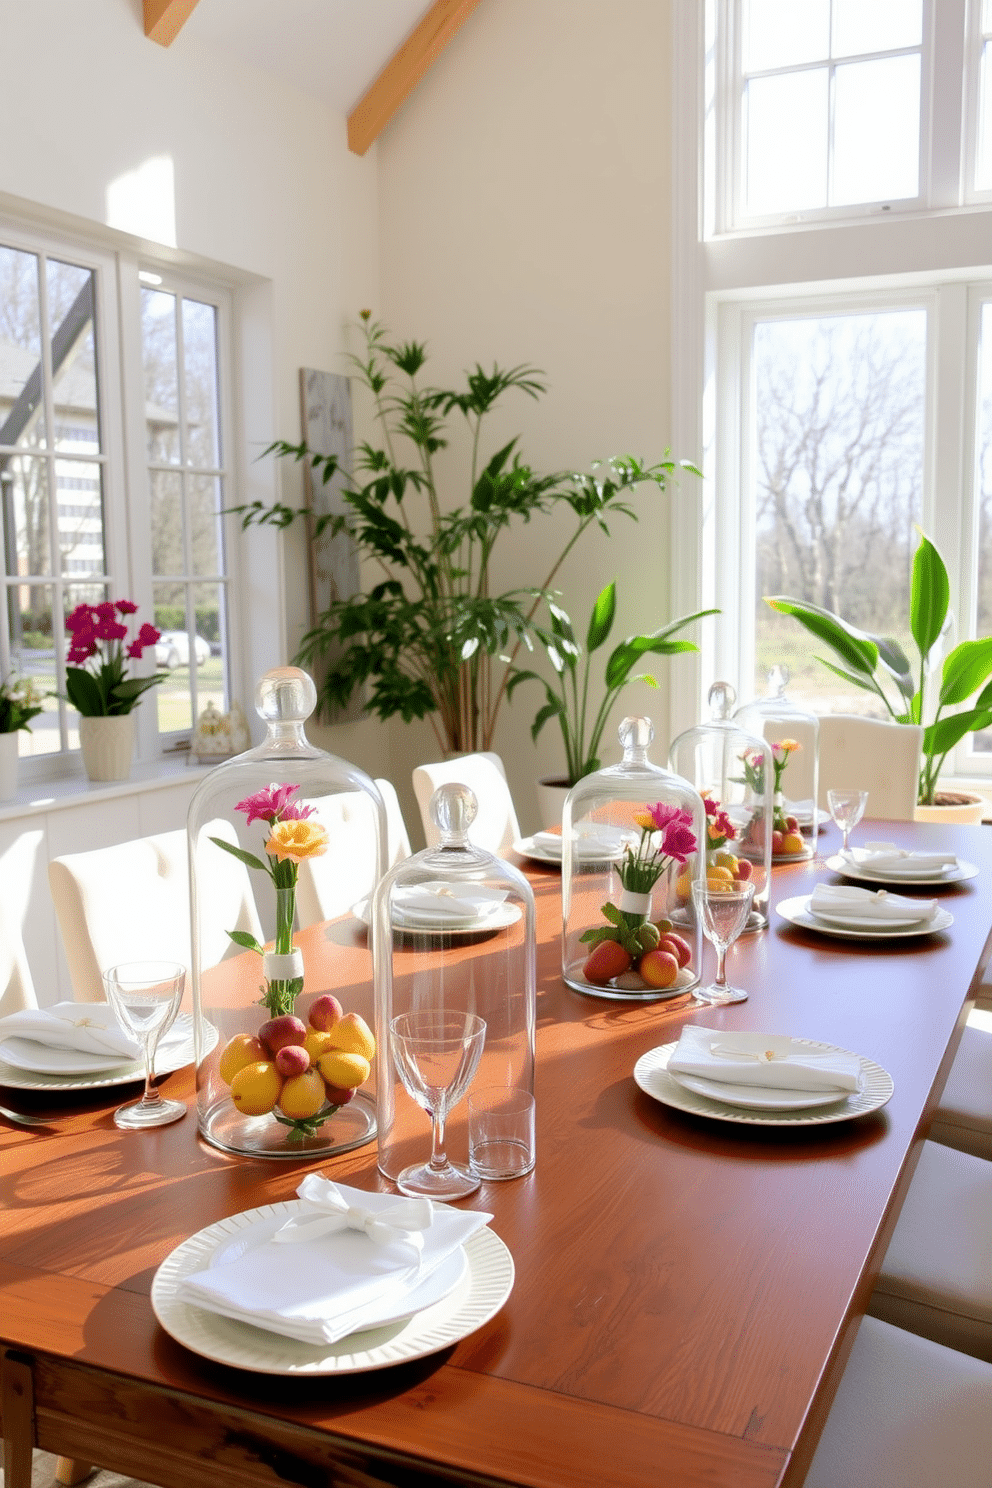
(335, 1263)
(592, 841)
(435, 901)
(89, 1027)
(743, 1059)
(886, 857)
(843, 901)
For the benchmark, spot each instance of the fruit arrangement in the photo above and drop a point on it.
(787, 840)
(635, 957)
(299, 1074)
(722, 868)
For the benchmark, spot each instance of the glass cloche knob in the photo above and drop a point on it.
(285, 695)
(453, 809)
(635, 735)
(778, 680)
(721, 698)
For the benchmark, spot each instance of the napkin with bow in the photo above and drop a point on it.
(886, 857)
(767, 1060)
(335, 1263)
(844, 902)
(88, 1027)
(437, 901)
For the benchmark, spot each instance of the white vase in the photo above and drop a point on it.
(107, 745)
(969, 813)
(8, 766)
(551, 793)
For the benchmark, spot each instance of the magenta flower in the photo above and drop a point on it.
(97, 631)
(126, 607)
(266, 805)
(110, 629)
(295, 812)
(80, 619)
(679, 840)
(662, 815)
(106, 610)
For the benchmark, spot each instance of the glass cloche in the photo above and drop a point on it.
(453, 933)
(733, 772)
(283, 840)
(793, 735)
(631, 835)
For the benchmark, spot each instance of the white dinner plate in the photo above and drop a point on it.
(651, 1075)
(955, 874)
(477, 1298)
(37, 1058)
(420, 924)
(122, 1073)
(759, 1097)
(528, 848)
(433, 1289)
(797, 912)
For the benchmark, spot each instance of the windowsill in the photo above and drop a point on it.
(41, 796)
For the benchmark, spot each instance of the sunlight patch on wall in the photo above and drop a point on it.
(143, 201)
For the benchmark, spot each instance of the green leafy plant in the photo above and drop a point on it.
(20, 701)
(879, 665)
(430, 639)
(568, 698)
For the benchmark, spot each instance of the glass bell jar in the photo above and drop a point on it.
(453, 934)
(732, 771)
(283, 840)
(631, 838)
(794, 738)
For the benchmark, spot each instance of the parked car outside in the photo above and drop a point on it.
(172, 649)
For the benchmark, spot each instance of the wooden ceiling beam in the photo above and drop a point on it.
(404, 70)
(164, 19)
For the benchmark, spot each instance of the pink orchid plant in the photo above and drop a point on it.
(96, 683)
(293, 837)
(719, 828)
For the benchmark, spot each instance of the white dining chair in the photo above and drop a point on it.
(964, 1115)
(873, 755)
(131, 902)
(330, 885)
(16, 984)
(908, 1413)
(495, 827)
(936, 1276)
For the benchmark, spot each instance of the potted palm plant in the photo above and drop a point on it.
(568, 698)
(879, 665)
(429, 638)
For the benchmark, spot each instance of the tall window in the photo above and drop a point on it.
(84, 520)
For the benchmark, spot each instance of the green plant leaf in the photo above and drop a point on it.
(852, 677)
(83, 692)
(929, 596)
(244, 937)
(946, 732)
(553, 708)
(853, 647)
(249, 859)
(964, 671)
(602, 617)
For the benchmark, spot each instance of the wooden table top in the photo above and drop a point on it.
(686, 1290)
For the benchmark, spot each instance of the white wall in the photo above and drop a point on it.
(525, 217)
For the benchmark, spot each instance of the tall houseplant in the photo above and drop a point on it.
(430, 638)
(878, 664)
(567, 698)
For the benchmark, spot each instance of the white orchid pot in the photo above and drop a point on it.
(108, 746)
(8, 766)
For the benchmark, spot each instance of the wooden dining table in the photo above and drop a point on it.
(686, 1290)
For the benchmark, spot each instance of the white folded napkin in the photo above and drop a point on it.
(844, 901)
(886, 857)
(331, 1268)
(89, 1027)
(443, 901)
(591, 840)
(771, 1061)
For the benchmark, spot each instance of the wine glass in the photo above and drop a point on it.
(847, 807)
(723, 912)
(145, 997)
(437, 1054)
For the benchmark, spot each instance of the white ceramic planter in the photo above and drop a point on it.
(551, 795)
(107, 745)
(968, 813)
(8, 765)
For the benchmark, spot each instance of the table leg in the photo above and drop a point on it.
(17, 1407)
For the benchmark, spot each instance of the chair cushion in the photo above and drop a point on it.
(964, 1117)
(937, 1273)
(908, 1414)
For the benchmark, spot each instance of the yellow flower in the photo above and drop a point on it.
(789, 745)
(296, 840)
(645, 822)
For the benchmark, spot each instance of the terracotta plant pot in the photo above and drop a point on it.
(108, 746)
(953, 807)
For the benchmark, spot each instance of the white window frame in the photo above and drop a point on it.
(858, 258)
(123, 458)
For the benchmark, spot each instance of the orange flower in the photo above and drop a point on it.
(296, 840)
(788, 745)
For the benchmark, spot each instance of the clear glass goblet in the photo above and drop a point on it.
(145, 997)
(847, 807)
(436, 1055)
(723, 913)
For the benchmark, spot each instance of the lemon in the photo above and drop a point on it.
(256, 1088)
(343, 1070)
(302, 1096)
(241, 1051)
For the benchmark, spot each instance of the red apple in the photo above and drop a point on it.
(792, 823)
(676, 946)
(608, 959)
(292, 1060)
(744, 870)
(337, 1096)
(278, 1032)
(659, 968)
(777, 839)
(325, 1013)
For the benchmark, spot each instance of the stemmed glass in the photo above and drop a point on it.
(145, 997)
(436, 1055)
(847, 807)
(723, 913)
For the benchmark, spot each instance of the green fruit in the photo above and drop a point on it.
(663, 926)
(649, 936)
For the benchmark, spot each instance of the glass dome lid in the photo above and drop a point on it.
(283, 839)
(793, 734)
(733, 772)
(453, 932)
(631, 840)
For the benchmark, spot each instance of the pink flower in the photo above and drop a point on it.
(135, 649)
(662, 815)
(266, 805)
(110, 629)
(80, 619)
(148, 635)
(295, 812)
(80, 652)
(126, 607)
(679, 840)
(107, 610)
